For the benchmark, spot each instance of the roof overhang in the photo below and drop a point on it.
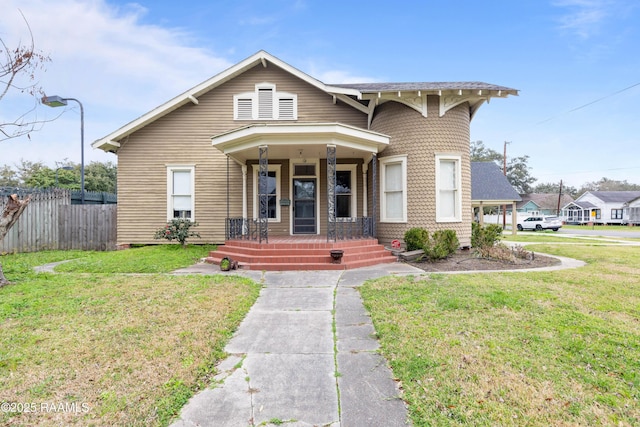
(492, 202)
(288, 141)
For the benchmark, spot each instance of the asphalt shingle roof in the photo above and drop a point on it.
(545, 201)
(386, 87)
(616, 196)
(489, 183)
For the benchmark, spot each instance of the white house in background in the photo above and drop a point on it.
(632, 211)
(601, 207)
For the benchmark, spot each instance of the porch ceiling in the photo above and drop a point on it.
(288, 141)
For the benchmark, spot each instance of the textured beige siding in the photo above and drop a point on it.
(183, 137)
(421, 139)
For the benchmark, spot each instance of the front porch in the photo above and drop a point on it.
(310, 252)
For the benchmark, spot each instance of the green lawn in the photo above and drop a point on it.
(126, 349)
(542, 237)
(603, 228)
(537, 349)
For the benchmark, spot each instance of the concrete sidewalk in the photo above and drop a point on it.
(287, 365)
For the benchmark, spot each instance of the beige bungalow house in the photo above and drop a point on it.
(263, 151)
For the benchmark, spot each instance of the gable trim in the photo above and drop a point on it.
(107, 143)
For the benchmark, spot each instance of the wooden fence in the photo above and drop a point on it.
(50, 221)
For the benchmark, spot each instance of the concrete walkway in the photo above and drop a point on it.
(304, 355)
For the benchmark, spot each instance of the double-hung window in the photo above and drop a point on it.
(448, 189)
(265, 103)
(180, 192)
(616, 213)
(273, 192)
(393, 189)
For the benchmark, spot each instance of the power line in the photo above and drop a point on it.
(588, 103)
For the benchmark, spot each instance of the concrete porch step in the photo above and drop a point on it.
(292, 254)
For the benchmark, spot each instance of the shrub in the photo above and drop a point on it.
(177, 229)
(499, 251)
(486, 236)
(416, 238)
(442, 244)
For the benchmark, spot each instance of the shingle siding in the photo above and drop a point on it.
(421, 139)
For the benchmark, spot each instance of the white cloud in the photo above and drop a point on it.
(118, 66)
(584, 17)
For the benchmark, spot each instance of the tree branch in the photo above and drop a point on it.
(10, 215)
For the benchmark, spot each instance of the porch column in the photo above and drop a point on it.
(331, 193)
(262, 194)
(481, 214)
(374, 195)
(514, 219)
(244, 199)
(365, 207)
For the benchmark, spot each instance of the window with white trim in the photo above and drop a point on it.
(273, 192)
(346, 191)
(448, 189)
(180, 192)
(393, 189)
(265, 103)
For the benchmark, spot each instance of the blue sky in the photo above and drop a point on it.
(121, 59)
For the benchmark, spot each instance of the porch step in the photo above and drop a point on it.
(289, 254)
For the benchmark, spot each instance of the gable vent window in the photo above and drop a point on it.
(265, 103)
(244, 106)
(286, 109)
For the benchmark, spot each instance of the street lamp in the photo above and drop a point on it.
(67, 168)
(57, 101)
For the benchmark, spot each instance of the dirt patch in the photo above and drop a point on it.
(468, 260)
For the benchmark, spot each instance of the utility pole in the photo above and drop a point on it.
(559, 197)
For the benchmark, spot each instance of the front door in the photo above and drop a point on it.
(304, 206)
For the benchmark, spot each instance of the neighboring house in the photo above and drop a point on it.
(601, 207)
(490, 187)
(632, 211)
(263, 149)
(542, 204)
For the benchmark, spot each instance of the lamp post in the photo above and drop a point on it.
(57, 101)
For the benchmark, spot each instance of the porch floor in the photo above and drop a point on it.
(307, 252)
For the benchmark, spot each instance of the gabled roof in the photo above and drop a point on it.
(545, 201)
(457, 92)
(488, 184)
(110, 142)
(580, 204)
(614, 196)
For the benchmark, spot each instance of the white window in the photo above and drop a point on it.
(265, 103)
(448, 189)
(273, 193)
(393, 189)
(180, 192)
(346, 191)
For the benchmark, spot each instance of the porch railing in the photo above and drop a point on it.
(242, 229)
(346, 228)
(354, 228)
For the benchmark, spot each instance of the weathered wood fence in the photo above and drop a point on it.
(52, 222)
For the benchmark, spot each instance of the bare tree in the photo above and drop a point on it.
(18, 72)
(18, 68)
(12, 211)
